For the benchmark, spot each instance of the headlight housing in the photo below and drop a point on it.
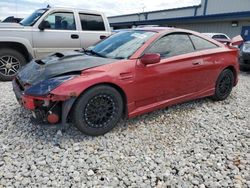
(46, 86)
(246, 47)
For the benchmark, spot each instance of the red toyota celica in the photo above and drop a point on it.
(128, 74)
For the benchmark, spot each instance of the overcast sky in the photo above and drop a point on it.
(22, 8)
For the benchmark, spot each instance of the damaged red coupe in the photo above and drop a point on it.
(130, 73)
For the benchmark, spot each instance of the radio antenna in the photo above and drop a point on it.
(16, 7)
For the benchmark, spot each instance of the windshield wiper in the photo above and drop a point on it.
(94, 53)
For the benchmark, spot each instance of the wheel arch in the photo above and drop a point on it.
(18, 46)
(232, 68)
(115, 86)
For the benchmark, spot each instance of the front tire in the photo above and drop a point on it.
(10, 63)
(224, 85)
(98, 110)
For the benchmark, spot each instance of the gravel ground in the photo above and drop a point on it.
(196, 144)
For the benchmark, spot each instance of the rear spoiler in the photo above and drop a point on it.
(236, 41)
(224, 41)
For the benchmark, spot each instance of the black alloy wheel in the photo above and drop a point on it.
(98, 110)
(224, 85)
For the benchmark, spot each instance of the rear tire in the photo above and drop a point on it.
(10, 63)
(224, 85)
(98, 110)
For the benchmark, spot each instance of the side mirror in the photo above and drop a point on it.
(44, 25)
(148, 59)
(237, 41)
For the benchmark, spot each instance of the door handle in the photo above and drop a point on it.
(103, 37)
(74, 36)
(197, 63)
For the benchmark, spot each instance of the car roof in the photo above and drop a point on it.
(75, 9)
(165, 30)
(155, 29)
(159, 29)
(212, 34)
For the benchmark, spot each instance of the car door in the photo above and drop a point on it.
(208, 71)
(175, 76)
(93, 29)
(59, 35)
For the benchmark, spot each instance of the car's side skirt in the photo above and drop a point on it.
(165, 103)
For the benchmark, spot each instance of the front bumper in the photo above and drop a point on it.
(43, 107)
(24, 100)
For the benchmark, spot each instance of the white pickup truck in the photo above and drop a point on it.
(45, 31)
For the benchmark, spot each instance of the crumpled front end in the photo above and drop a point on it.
(45, 108)
(34, 84)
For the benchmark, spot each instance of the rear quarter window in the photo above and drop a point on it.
(202, 44)
(92, 22)
(172, 45)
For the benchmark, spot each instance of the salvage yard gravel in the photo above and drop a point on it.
(196, 144)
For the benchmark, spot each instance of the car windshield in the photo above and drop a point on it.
(31, 20)
(122, 44)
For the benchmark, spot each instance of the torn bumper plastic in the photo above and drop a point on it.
(44, 107)
(26, 101)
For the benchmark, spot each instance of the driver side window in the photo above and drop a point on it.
(61, 21)
(172, 45)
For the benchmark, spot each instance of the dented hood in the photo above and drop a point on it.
(59, 64)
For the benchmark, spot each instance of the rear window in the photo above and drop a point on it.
(202, 44)
(92, 22)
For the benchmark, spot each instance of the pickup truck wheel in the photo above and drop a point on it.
(98, 110)
(10, 62)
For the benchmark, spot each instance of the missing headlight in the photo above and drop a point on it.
(45, 87)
